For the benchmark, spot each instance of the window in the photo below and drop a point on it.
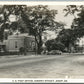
(33, 45)
(16, 44)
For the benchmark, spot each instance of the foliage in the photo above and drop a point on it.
(67, 37)
(54, 45)
(37, 19)
(78, 22)
(71, 9)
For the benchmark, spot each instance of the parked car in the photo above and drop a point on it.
(55, 52)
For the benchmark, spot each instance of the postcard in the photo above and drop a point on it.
(41, 41)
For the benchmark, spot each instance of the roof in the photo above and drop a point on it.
(20, 36)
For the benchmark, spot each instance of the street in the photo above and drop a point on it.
(42, 66)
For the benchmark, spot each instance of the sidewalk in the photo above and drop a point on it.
(14, 56)
(73, 53)
(35, 55)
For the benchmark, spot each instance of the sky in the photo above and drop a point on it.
(60, 16)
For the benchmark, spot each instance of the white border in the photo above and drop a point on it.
(29, 3)
(38, 80)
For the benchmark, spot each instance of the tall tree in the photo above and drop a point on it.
(39, 18)
(67, 37)
(78, 22)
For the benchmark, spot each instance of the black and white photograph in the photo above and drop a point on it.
(41, 41)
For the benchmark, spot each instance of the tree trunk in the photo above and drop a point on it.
(39, 44)
(39, 49)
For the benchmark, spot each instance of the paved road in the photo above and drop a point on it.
(58, 66)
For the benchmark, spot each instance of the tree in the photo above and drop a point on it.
(78, 22)
(67, 37)
(54, 45)
(40, 18)
(71, 9)
(5, 23)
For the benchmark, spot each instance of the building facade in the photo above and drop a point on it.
(15, 42)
